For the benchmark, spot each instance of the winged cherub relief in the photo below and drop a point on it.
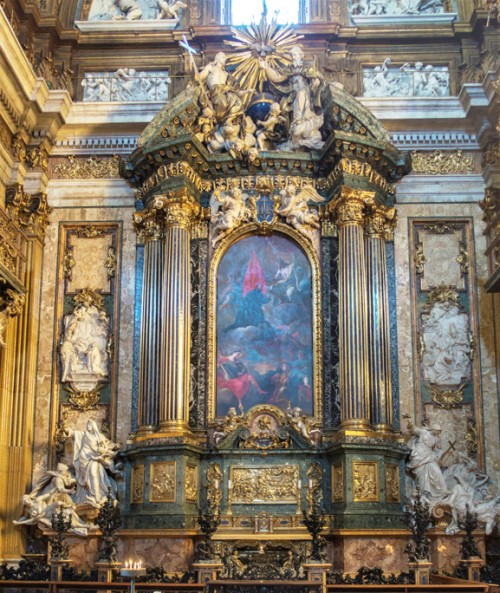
(293, 207)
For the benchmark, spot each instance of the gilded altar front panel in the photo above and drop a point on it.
(365, 482)
(265, 485)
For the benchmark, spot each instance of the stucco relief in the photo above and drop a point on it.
(446, 345)
(126, 84)
(418, 80)
(84, 346)
(135, 10)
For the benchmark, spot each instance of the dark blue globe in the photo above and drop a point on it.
(259, 106)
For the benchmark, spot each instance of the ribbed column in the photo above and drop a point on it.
(150, 227)
(180, 210)
(379, 224)
(353, 308)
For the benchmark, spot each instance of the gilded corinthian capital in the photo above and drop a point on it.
(150, 223)
(179, 207)
(380, 222)
(350, 206)
(31, 212)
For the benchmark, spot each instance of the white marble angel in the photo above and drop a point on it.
(294, 208)
(229, 210)
(170, 10)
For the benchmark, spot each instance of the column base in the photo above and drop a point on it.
(356, 427)
(145, 431)
(173, 428)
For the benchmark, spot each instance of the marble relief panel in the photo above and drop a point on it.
(86, 253)
(468, 417)
(57, 302)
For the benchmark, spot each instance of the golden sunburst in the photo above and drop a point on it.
(268, 42)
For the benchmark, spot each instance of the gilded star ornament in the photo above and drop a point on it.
(260, 42)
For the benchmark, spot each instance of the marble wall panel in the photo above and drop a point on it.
(47, 398)
(351, 552)
(176, 554)
(89, 269)
(483, 313)
(440, 270)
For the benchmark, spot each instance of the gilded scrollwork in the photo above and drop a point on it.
(11, 305)
(365, 481)
(90, 232)
(314, 484)
(440, 228)
(82, 400)
(137, 485)
(463, 258)
(68, 263)
(447, 398)
(442, 163)
(19, 149)
(92, 167)
(490, 205)
(419, 258)
(392, 488)
(214, 487)
(265, 485)
(110, 263)
(471, 438)
(338, 482)
(162, 481)
(191, 484)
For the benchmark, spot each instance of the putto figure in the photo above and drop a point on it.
(294, 208)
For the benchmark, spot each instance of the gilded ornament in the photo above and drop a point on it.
(92, 167)
(179, 207)
(12, 246)
(5, 134)
(463, 258)
(90, 232)
(83, 400)
(442, 163)
(30, 212)
(314, 485)
(440, 228)
(61, 434)
(150, 223)
(471, 438)
(214, 490)
(137, 485)
(419, 258)
(173, 170)
(491, 205)
(380, 222)
(110, 263)
(359, 169)
(68, 263)
(191, 484)
(264, 485)
(365, 481)
(88, 298)
(491, 155)
(19, 149)
(12, 302)
(447, 398)
(349, 207)
(392, 489)
(338, 483)
(37, 157)
(162, 481)
(442, 294)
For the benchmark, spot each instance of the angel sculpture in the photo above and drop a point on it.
(170, 11)
(294, 208)
(129, 10)
(229, 210)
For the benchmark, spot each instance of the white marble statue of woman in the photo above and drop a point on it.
(93, 455)
(424, 463)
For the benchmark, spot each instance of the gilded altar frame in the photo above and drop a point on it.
(312, 256)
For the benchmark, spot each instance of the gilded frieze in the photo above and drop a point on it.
(191, 484)
(338, 482)
(91, 167)
(137, 485)
(265, 485)
(365, 484)
(439, 162)
(392, 488)
(162, 482)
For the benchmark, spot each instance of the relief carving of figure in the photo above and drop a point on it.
(446, 357)
(267, 135)
(302, 424)
(83, 349)
(294, 208)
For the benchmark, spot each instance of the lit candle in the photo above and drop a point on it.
(229, 484)
(310, 484)
(299, 484)
(217, 483)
